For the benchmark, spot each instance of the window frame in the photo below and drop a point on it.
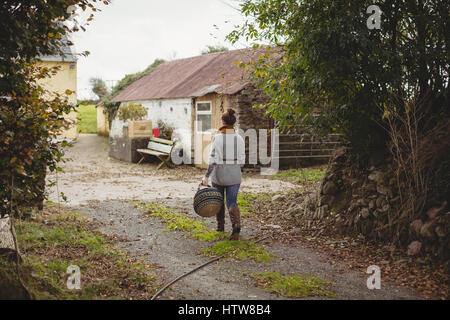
(197, 113)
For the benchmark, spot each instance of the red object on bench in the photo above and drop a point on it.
(156, 133)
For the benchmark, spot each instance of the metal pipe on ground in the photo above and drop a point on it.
(194, 270)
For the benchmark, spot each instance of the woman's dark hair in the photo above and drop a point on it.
(228, 117)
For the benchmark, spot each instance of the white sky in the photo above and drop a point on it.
(127, 35)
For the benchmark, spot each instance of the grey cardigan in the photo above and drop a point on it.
(226, 159)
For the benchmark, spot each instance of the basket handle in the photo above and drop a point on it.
(201, 185)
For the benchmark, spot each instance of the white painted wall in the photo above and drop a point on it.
(174, 112)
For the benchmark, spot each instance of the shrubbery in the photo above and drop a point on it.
(30, 117)
(131, 112)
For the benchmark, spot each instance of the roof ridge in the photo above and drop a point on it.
(190, 76)
(210, 54)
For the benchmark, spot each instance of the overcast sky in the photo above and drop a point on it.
(127, 35)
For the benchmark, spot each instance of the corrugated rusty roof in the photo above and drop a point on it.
(192, 77)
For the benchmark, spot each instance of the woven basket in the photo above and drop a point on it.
(208, 201)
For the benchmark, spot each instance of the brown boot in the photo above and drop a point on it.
(235, 217)
(221, 219)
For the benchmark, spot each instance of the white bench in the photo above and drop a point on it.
(161, 148)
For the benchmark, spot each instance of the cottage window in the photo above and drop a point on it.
(203, 116)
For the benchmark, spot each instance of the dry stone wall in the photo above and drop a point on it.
(356, 202)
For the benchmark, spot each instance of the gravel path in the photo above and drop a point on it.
(104, 188)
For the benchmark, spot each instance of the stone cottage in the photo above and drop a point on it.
(190, 95)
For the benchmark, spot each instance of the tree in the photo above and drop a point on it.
(385, 90)
(334, 64)
(214, 49)
(29, 120)
(111, 107)
(99, 87)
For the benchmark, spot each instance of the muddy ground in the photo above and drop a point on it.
(104, 189)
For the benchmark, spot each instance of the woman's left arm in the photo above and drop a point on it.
(210, 169)
(208, 173)
(211, 164)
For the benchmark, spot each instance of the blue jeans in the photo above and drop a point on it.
(231, 193)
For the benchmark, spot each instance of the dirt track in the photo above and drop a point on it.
(104, 188)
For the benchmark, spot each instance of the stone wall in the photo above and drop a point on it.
(254, 118)
(249, 117)
(365, 202)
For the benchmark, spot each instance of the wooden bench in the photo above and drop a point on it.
(160, 148)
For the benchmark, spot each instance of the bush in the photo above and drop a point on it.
(325, 61)
(131, 112)
(28, 124)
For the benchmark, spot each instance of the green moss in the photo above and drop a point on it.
(33, 235)
(210, 235)
(244, 204)
(49, 277)
(50, 246)
(293, 286)
(302, 175)
(246, 201)
(177, 221)
(240, 250)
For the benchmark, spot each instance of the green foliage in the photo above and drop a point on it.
(292, 286)
(240, 250)
(214, 49)
(29, 123)
(325, 60)
(87, 119)
(30, 117)
(112, 107)
(29, 30)
(131, 112)
(99, 87)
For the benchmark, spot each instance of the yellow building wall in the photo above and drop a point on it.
(102, 122)
(65, 78)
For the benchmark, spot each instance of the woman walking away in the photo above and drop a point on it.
(225, 162)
